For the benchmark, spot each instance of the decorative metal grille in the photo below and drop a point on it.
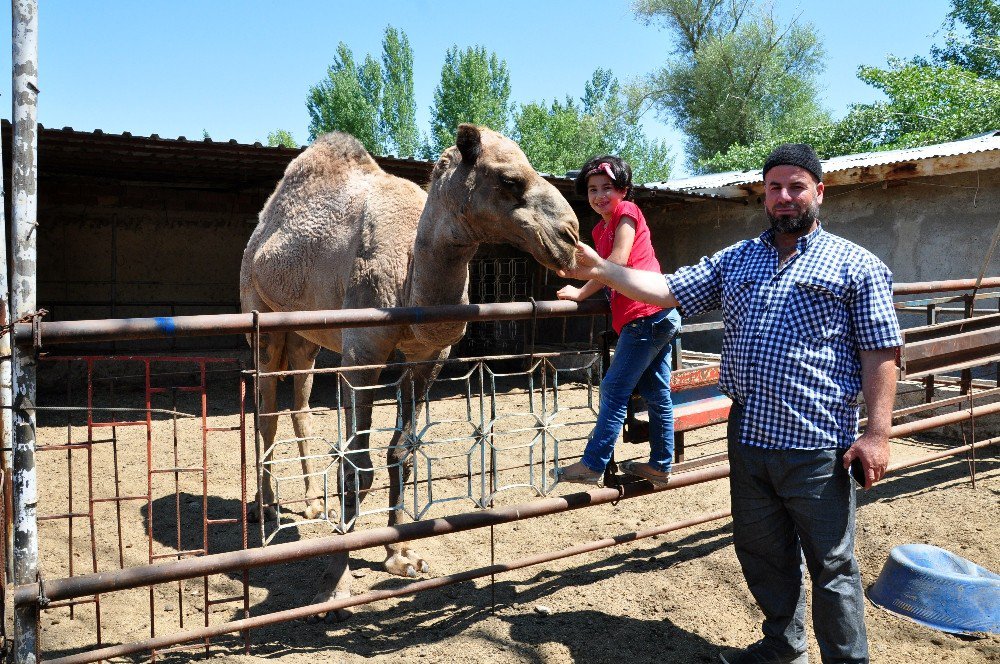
(497, 280)
(478, 433)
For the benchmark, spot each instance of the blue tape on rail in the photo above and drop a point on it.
(166, 324)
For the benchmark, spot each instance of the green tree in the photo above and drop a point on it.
(925, 103)
(373, 102)
(474, 87)
(972, 38)
(736, 75)
(281, 138)
(399, 105)
(555, 138)
(562, 136)
(348, 100)
(617, 114)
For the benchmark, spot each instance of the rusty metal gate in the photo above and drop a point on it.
(144, 432)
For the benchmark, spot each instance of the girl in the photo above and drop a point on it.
(642, 357)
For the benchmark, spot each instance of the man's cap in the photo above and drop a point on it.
(795, 154)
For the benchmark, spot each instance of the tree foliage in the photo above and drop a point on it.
(399, 106)
(555, 138)
(281, 138)
(972, 38)
(562, 136)
(372, 102)
(347, 100)
(926, 102)
(474, 87)
(736, 76)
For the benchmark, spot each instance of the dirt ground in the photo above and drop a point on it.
(677, 597)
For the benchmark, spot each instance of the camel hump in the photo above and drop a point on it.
(337, 152)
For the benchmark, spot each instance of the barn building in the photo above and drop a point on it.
(139, 226)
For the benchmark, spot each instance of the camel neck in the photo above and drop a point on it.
(439, 272)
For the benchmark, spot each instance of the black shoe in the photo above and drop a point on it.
(762, 653)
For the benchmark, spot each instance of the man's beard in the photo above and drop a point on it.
(796, 224)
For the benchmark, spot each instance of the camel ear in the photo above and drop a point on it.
(469, 143)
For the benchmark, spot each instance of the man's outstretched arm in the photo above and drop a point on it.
(649, 287)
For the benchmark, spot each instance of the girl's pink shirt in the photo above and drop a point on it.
(624, 310)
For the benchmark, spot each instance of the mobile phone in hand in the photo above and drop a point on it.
(858, 472)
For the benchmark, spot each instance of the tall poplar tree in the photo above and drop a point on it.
(373, 102)
(474, 87)
(399, 105)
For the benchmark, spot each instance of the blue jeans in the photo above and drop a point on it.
(790, 504)
(641, 363)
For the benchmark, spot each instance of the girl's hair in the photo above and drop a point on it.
(621, 175)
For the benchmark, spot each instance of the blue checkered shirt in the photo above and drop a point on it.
(790, 350)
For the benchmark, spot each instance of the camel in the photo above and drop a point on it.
(340, 233)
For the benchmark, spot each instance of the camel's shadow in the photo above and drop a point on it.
(424, 619)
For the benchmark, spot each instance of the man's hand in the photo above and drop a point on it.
(588, 264)
(639, 285)
(873, 452)
(878, 382)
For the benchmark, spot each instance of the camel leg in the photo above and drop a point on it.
(302, 357)
(357, 474)
(272, 350)
(401, 558)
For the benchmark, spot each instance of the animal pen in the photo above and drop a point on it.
(170, 435)
(517, 419)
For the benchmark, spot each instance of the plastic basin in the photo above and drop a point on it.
(934, 587)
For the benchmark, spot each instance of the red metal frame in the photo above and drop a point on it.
(151, 368)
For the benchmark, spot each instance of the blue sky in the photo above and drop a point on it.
(241, 69)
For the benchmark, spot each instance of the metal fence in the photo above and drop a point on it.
(513, 425)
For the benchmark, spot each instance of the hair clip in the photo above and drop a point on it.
(603, 166)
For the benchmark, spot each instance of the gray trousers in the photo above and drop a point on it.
(788, 505)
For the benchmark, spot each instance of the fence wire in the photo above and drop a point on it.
(481, 430)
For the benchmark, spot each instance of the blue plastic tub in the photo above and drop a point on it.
(936, 588)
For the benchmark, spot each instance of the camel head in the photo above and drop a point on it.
(496, 196)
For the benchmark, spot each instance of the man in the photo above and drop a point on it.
(809, 323)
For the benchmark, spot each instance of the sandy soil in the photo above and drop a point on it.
(678, 597)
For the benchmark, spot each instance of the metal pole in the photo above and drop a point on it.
(283, 321)
(6, 387)
(376, 595)
(916, 287)
(56, 590)
(84, 331)
(24, 179)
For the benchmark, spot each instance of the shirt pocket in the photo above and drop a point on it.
(817, 309)
(736, 299)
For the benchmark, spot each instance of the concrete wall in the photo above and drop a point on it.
(925, 229)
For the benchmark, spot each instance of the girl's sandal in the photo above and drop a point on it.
(657, 478)
(578, 474)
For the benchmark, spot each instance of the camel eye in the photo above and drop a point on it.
(513, 185)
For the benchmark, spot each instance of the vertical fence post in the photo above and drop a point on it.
(929, 380)
(23, 244)
(6, 387)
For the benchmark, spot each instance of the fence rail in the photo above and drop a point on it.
(54, 591)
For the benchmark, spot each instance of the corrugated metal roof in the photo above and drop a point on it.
(218, 164)
(847, 164)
